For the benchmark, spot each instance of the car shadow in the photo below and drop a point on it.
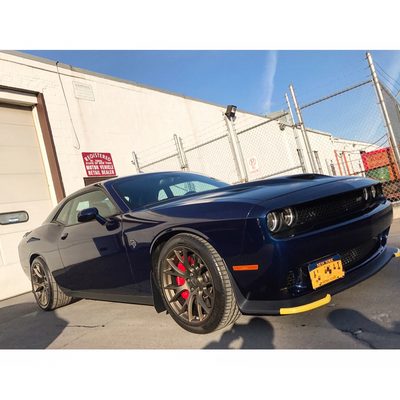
(366, 332)
(25, 326)
(256, 334)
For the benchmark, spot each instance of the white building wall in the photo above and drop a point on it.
(117, 117)
(332, 149)
(273, 148)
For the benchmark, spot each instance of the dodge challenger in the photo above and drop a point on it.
(206, 251)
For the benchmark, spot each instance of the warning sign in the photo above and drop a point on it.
(252, 162)
(98, 164)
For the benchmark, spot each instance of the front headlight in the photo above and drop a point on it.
(288, 217)
(280, 220)
(365, 194)
(273, 221)
(373, 192)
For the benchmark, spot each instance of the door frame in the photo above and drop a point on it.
(35, 100)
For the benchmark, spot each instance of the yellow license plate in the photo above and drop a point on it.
(325, 271)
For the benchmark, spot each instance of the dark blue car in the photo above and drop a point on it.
(206, 251)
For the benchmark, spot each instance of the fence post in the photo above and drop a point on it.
(181, 153)
(135, 162)
(303, 131)
(296, 136)
(234, 144)
(378, 90)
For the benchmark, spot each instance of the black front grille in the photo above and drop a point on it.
(332, 209)
(352, 257)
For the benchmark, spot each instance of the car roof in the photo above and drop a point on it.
(126, 177)
(123, 178)
(102, 184)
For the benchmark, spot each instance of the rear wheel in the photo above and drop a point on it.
(195, 285)
(48, 294)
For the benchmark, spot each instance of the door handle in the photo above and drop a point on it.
(64, 236)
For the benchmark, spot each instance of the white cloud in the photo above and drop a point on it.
(268, 79)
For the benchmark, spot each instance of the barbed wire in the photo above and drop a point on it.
(389, 85)
(389, 78)
(191, 141)
(315, 91)
(338, 93)
(215, 125)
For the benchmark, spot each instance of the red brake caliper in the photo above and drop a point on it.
(181, 281)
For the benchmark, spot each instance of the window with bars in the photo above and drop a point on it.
(316, 156)
(333, 169)
(301, 159)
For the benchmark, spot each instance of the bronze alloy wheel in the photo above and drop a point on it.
(195, 285)
(188, 285)
(48, 294)
(40, 285)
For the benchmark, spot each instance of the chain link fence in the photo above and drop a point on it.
(344, 125)
(341, 133)
(264, 145)
(360, 142)
(162, 157)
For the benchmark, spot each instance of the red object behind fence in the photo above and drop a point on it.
(376, 158)
(381, 158)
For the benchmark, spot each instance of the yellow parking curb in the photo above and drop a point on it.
(397, 253)
(306, 307)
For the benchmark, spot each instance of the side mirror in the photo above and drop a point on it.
(89, 214)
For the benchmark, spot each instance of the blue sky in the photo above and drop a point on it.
(255, 81)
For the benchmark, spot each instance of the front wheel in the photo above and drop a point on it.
(195, 285)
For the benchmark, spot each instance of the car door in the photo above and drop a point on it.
(94, 255)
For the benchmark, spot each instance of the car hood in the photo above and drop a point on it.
(307, 187)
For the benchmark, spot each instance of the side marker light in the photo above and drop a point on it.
(252, 267)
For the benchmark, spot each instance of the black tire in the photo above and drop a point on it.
(218, 307)
(48, 294)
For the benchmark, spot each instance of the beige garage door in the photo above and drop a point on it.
(23, 187)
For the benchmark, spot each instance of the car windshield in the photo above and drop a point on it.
(141, 190)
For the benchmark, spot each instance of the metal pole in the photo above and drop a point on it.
(236, 150)
(181, 153)
(303, 131)
(135, 162)
(289, 108)
(239, 150)
(378, 90)
(296, 135)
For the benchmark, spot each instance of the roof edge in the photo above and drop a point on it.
(116, 79)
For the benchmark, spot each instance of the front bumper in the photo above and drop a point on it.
(322, 295)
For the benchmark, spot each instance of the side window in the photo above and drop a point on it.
(64, 213)
(183, 188)
(96, 199)
(162, 195)
(180, 189)
(202, 186)
(82, 205)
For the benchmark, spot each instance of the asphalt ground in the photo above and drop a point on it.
(365, 316)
